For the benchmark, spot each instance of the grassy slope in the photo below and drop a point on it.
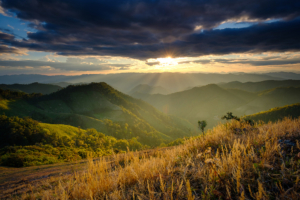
(277, 113)
(61, 129)
(219, 165)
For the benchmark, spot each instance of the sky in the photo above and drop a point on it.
(73, 37)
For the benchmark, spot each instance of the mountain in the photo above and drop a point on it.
(277, 113)
(32, 88)
(125, 82)
(211, 102)
(99, 106)
(285, 75)
(268, 99)
(260, 86)
(147, 89)
(200, 103)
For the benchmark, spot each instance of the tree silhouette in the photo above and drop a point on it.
(202, 125)
(230, 116)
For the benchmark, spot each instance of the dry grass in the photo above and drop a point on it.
(232, 161)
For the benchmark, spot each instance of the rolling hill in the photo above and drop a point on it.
(210, 102)
(32, 88)
(275, 114)
(260, 86)
(98, 106)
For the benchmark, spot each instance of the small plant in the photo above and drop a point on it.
(202, 125)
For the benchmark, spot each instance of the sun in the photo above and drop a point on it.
(166, 61)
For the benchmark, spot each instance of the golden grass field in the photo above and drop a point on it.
(231, 161)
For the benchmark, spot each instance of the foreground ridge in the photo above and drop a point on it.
(232, 161)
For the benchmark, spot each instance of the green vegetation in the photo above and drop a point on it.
(262, 162)
(276, 114)
(202, 125)
(26, 142)
(98, 106)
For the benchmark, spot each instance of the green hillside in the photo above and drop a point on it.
(26, 142)
(98, 106)
(32, 88)
(260, 86)
(275, 114)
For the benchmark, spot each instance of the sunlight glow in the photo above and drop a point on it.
(167, 61)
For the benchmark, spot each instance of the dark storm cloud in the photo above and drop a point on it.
(154, 28)
(62, 66)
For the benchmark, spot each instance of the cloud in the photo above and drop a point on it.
(261, 62)
(4, 49)
(145, 29)
(67, 66)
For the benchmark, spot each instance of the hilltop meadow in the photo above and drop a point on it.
(232, 161)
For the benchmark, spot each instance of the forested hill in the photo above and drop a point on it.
(32, 88)
(99, 106)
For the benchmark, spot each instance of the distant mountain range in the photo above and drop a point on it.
(99, 106)
(147, 89)
(31, 88)
(260, 86)
(125, 82)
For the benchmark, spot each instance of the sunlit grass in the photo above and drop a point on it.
(232, 161)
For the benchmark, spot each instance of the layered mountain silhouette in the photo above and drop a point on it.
(125, 82)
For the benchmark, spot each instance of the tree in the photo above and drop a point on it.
(230, 116)
(202, 125)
